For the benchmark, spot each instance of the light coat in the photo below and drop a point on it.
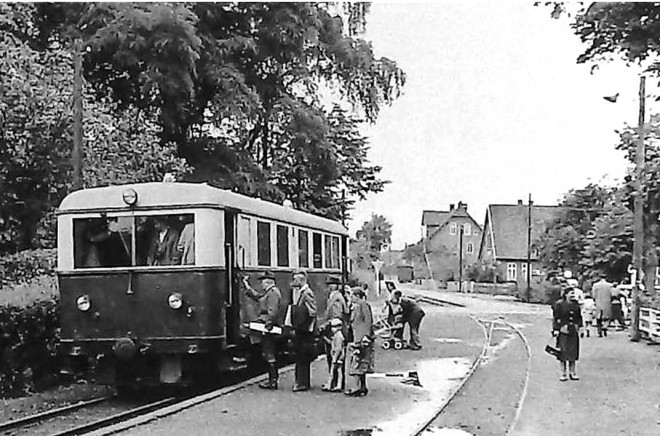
(602, 293)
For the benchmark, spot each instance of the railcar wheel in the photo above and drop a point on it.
(398, 345)
(386, 345)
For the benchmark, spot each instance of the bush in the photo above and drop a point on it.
(24, 266)
(28, 337)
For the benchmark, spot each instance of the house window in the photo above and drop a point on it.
(303, 249)
(317, 250)
(282, 246)
(453, 227)
(511, 272)
(467, 229)
(263, 243)
(469, 248)
(523, 270)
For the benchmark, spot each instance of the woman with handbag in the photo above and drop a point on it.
(566, 326)
(361, 351)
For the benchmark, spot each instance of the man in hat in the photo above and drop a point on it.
(336, 308)
(412, 314)
(269, 307)
(302, 317)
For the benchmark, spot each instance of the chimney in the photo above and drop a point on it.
(520, 203)
(462, 205)
(451, 207)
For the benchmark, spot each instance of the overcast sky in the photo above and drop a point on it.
(494, 107)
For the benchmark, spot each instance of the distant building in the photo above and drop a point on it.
(504, 240)
(442, 240)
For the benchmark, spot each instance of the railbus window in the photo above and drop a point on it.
(263, 243)
(282, 245)
(334, 251)
(303, 249)
(328, 251)
(123, 241)
(317, 250)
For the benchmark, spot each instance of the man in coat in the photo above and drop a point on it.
(602, 293)
(412, 314)
(269, 308)
(163, 248)
(302, 317)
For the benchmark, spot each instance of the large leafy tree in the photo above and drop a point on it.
(240, 88)
(36, 137)
(562, 245)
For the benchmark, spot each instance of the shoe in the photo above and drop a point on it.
(336, 390)
(268, 385)
(300, 388)
(574, 377)
(326, 388)
(563, 377)
(353, 393)
(415, 347)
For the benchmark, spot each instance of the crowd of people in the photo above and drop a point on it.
(347, 331)
(575, 313)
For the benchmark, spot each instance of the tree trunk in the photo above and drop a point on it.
(649, 271)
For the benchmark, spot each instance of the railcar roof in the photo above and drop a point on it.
(192, 195)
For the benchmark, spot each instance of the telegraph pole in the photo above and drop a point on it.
(460, 258)
(76, 153)
(529, 248)
(638, 217)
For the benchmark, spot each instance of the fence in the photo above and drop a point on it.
(649, 323)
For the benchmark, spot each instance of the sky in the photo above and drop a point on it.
(495, 107)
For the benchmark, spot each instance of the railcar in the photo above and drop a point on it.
(139, 308)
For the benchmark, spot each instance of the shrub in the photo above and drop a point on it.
(28, 337)
(24, 266)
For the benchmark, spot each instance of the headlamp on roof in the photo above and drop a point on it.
(130, 197)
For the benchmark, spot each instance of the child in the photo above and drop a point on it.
(588, 312)
(336, 379)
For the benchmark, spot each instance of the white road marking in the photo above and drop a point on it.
(447, 340)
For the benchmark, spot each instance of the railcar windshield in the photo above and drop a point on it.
(124, 241)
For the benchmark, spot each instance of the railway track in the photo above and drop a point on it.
(496, 333)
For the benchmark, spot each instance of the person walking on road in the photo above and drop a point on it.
(602, 292)
(617, 308)
(302, 317)
(412, 314)
(566, 326)
(269, 308)
(361, 350)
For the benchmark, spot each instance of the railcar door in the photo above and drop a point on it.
(232, 303)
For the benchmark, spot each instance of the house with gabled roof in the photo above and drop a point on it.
(442, 240)
(505, 238)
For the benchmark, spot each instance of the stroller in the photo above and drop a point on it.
(390, 334)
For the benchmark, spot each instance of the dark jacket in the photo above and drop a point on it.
(166, 252)
(411, 311)
(566, 313)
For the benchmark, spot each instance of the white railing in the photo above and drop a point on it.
(649, 323)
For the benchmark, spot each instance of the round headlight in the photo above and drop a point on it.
(175, 301)
(130, 197)
(83, 303)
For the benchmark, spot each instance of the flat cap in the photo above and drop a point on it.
(266, 275)
(333, 280)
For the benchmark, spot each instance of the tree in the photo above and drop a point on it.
(36, 140)
(562, 245)
(377, 233)
(239, 88)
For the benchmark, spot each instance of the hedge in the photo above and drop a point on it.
(25, 266)
(29, 324)
(28, 336)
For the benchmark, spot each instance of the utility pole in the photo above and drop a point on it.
(460, 258)
(529, 248)
(638, 217)
(76, 153)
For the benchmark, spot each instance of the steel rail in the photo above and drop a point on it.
(119, 417)
(42, 416)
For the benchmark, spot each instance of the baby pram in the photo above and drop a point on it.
(389, 334)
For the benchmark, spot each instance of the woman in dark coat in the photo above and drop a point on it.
(566, 326)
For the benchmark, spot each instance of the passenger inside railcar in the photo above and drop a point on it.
(102, 242)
